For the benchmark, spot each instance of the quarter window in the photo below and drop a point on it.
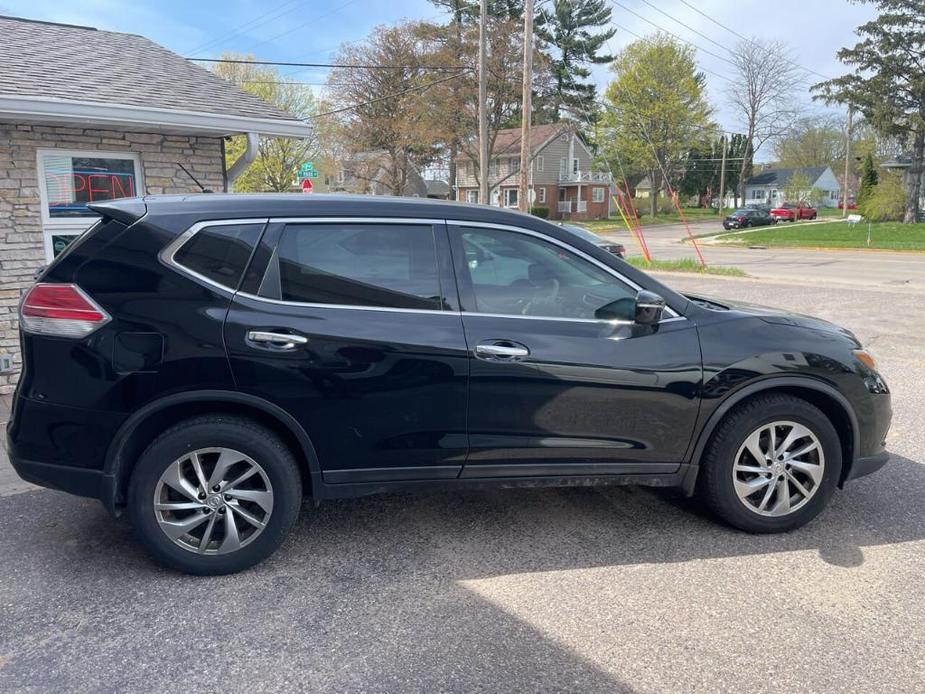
(520, 275)
(387, 265)
(220, 253)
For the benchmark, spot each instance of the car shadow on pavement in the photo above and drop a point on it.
(372, 594)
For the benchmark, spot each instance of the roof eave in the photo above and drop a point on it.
(47, 109)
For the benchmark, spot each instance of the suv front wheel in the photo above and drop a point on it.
(214, 495)
(772, 464)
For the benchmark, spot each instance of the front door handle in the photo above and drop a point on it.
(282, 341)
(501, 350)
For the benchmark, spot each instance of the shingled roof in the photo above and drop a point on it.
(780, 177)
(47, 62)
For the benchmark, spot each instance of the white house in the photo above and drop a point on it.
(768, 186)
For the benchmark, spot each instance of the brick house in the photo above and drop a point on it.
(92, 115)
(562, 175)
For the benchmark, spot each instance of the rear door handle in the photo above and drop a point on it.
(501, 350)
(272, 340)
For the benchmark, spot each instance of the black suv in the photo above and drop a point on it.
(204, 362)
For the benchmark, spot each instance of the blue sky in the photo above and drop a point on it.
(307, 30)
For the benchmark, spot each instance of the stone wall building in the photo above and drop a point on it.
(89, 115)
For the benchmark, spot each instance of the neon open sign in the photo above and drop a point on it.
(71, 190)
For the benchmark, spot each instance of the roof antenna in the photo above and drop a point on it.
(201, 187)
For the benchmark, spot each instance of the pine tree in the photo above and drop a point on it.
(566, 29)
(869, 179)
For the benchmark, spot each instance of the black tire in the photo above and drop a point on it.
(216, 431)
(715, 483)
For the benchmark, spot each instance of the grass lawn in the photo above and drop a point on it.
(883, 235)
(692, 214)
(684, 265)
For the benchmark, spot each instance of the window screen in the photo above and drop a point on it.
(389, 265)
(220, 252)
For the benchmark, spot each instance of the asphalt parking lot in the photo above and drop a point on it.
(607, 589)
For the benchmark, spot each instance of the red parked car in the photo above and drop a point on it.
(789, 212)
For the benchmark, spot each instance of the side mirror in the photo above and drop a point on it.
(649, 307)
(645, 309)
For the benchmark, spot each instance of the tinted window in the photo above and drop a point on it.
(390, 265)
(220, 252)
(516, 274)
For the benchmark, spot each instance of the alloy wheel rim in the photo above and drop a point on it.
(213, 501)
(778, 468)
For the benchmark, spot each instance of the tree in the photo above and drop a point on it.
(869, 179)
(278, 159)
(567, 28)
(811, 141)
(386, 111)
(887, 200)
(887, 82)
(798, 188)
(657, 109)
(701, 172)
(762, 95)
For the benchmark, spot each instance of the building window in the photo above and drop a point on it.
(69, 180)
(514, 163)
(540, 163)
(472, 196)
(575, 166)
(597, 195)
(470, 169)
(493, 167)
(510, 197)
(541, 194)
(341, 176)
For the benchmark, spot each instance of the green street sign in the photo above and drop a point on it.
(313, 174)
(306, 169)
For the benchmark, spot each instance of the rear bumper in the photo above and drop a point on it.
(65, 478)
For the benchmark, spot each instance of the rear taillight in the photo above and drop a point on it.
(60, 310)
(741, 219)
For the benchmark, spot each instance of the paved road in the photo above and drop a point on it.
(590, 590)
(860, 267)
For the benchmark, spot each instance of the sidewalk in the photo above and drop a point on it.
(10, 483)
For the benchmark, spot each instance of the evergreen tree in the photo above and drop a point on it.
(567, 29)
(869, 179)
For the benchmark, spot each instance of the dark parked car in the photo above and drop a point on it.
(747, 217)
(201, 363)
(617, 249)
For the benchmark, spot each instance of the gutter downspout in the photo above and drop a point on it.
(245, 160)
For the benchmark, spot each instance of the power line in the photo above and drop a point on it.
(686, 26)
(420, 87)
(235, 61)
(643, 38)
(751, 41)
(671, 33)
(303, 24)
(251, 24)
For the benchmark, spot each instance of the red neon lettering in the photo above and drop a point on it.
(117, 182)
(82, 180)
(106, 191)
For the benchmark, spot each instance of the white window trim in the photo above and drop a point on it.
(541, 195)
(597, 192)
(540, 162)
(75, 226)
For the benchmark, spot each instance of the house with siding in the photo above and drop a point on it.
(88, 116)
(767, 187)
(562, 175)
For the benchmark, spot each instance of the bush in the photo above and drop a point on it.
(886, 201)
(541, 212)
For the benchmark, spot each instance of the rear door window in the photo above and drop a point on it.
(359, 264)
(220, 252)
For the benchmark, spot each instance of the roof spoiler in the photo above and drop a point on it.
(126, 210)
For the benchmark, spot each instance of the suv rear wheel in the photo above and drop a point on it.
(772, 464)
(214, 495)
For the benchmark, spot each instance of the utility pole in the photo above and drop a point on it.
(844, 200)
(526, 110)
(483, 98)
(722, 178)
